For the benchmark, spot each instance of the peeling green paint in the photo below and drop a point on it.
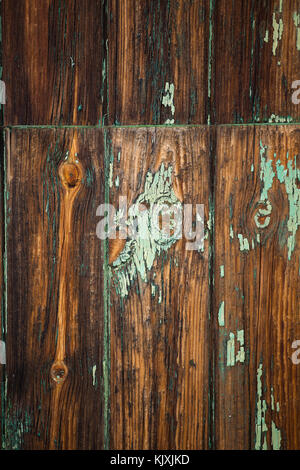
(261, 428)
(221, 314)
(222, 271)
(277, 32)
(275, 119)
(230, 350)
(240, 357)
(296, 18)
(289, 176)
(244, 244)
(168, 100)
(139, 253)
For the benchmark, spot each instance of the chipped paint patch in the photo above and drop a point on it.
(277, 32)
(266, 38)
(288, 175)
(240, 357)
(138, 254)
(296, 18)
(222, 271)
(221, 317)
(261, 428)
(280, 119)
(244, 244)
(230, 351)
(94, 376)
(168, 100)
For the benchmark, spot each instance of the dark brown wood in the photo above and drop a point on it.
(255, 61)
(54, 59)
(160, 327)
(152, 46)
(55, 283)
(256, 276)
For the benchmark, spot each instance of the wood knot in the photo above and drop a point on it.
(59, 372)
(70, 175)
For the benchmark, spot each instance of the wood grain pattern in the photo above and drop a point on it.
(256, 192)
(255, 50)
(154, 45)
(55, 284)
(54, 62)
(160, 327)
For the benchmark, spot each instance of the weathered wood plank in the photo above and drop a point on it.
(55, 345)
(54, 62)
(159, 297)
(256, 59)
(158, 61)
(2, 280)
(256, 295)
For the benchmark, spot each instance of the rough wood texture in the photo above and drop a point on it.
(256, 276)
(256, 50)
(157, 61)
(55, 283)
(54, 61)
(160, 321)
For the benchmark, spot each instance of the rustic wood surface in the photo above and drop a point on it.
(54, 62)
(54, 290)
(160, 325)
(256, 295)
(123, 345)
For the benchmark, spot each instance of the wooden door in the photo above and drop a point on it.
(121, 344)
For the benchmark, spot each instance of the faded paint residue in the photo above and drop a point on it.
(221, 317)
(266, 38)
(222, 271)
(230, 351)
(138, 254)
(296, 18)
(261, 407)
(94, 375)
(276, 437)
(240, 357)
(168, 100)
(244, 244)
(261, 428)
(280, 119)
(289, 175)
(277, 32)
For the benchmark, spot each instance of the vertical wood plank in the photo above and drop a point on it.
(157, 61)
(256, 50)
(257, 287)
(159, 299)
(54, 61)
(55, 182)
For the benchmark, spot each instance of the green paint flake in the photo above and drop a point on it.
(221, 317)
(260, 424)
(230, 351)
(244, 244)
(296, 18)
(168, 100)
(222, 271)
(139, 253)
(279, 119)
(240, 357)
(276, 437)
(277, 32)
